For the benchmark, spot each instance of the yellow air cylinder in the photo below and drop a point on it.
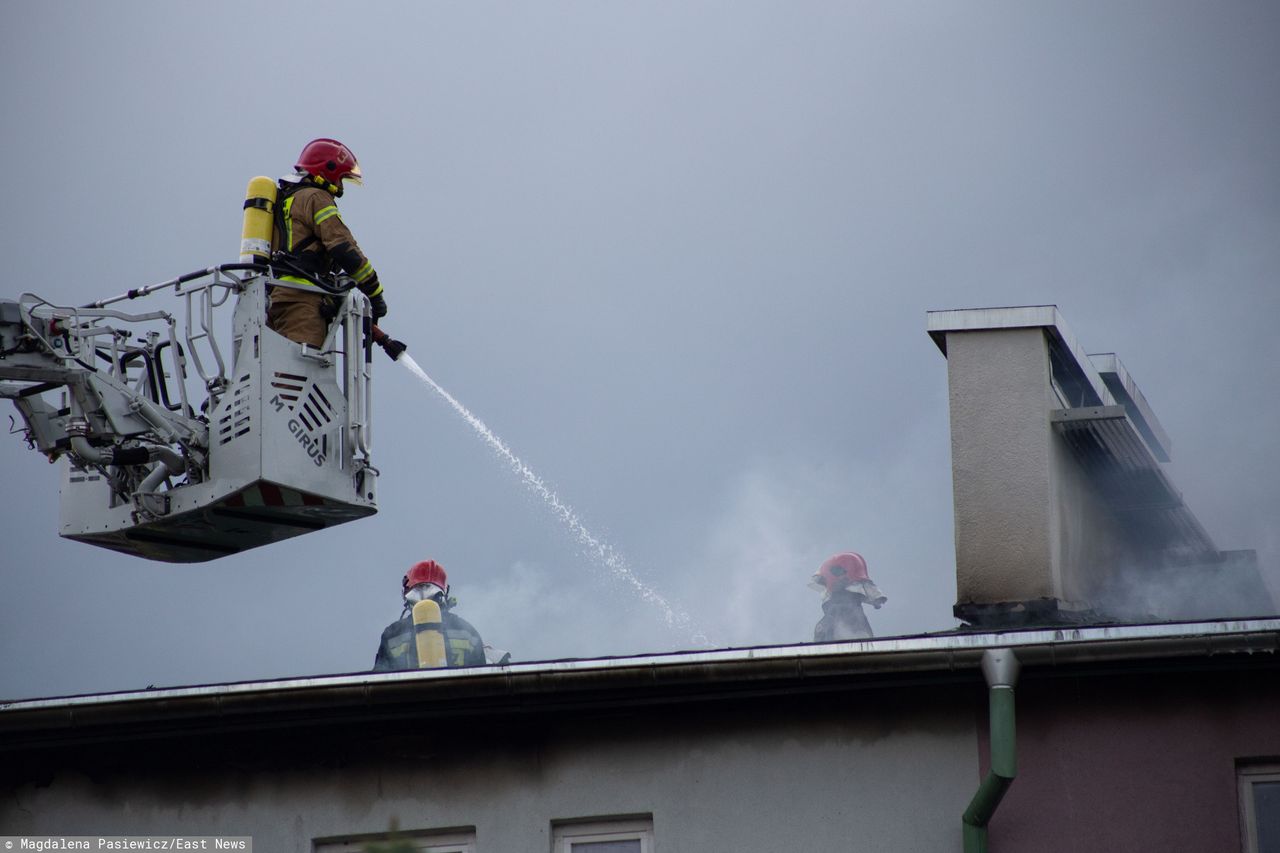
(259, 220)
(428, 628)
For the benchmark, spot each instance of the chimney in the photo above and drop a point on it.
(1064, 509)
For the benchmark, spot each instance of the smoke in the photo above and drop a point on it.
(777, 528)
(746, 581)
(535, 614)
(599, 551)
(783, 517)
(1231, 588)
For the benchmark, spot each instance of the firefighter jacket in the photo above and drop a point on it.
(399, 649)
(842, 619)
(311, 231)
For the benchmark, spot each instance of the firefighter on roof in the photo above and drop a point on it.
(428, 634)
(845, 586)
(311, 237)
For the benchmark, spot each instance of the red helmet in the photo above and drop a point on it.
(840, 571)
(330, 160)
(428, 571)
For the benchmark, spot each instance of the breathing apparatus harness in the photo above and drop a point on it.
(287, 188)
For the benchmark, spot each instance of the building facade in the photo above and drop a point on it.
(1117, 687)
(1127, 738)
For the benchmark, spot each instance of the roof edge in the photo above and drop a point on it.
(625, 679)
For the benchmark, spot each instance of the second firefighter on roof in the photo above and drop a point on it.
(427, 581)
(845, 587)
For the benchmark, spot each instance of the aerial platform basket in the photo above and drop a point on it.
(278, 446)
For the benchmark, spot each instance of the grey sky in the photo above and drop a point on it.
(678, 256)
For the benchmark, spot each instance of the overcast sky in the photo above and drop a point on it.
(679, 257)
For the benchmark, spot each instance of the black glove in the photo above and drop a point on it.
(379, 304)
(328, 308)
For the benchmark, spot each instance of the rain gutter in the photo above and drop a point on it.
(610, 682)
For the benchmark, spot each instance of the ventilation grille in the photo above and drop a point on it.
(238, 420)
(288, 387)
(302, 397)
(316, 412)
(1111, 450)
(83, 475)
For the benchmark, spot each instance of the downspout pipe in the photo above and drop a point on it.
(1000, 668)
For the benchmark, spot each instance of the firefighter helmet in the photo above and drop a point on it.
(840, 571)
(330, 161)
(428, 571)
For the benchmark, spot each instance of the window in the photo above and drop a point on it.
(1260, 808)
(419, 842)
(632, 835)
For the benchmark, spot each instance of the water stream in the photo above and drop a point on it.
(601, 552)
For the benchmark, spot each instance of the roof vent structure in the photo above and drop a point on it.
(1065, 511)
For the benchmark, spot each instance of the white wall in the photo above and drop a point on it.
(874, 770)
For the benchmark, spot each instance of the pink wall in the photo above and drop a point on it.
(1125, 762)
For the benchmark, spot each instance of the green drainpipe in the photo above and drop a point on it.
(1000, 667)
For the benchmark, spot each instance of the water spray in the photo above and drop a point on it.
(602, 552)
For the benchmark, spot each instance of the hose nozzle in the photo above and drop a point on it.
(392, 347)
